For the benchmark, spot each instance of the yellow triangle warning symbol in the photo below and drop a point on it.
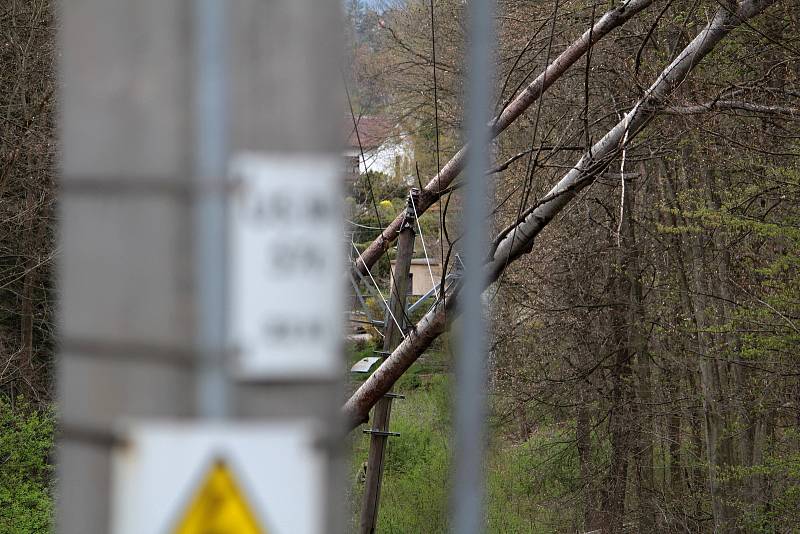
(219, 507)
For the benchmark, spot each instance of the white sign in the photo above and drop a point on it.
(229, 478)
(365, 364)
(286, 257)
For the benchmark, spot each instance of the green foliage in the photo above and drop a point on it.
(384, 187)
(26, 443)
(415, 485)
(417, 469)
(370, 217)
(780, 471)
(774, 265)
(756, 219)
(527, 481)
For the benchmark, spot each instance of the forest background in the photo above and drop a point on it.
(643, 363)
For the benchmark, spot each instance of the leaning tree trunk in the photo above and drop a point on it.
(440, 183)
(518, 240)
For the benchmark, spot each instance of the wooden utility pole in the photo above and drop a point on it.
(392, 335)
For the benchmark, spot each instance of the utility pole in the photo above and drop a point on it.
(392, 335)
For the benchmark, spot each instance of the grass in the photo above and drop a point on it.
(416, 471)
(526, 484)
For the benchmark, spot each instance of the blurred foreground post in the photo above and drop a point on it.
(469, 494)
(151, 118)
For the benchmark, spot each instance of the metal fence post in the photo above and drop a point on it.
(469, 516)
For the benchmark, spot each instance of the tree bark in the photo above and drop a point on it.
(620, 419)
(637, 343)
(520, 241)
(583, 442)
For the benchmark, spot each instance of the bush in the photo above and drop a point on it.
(383, 187)
(26, 481)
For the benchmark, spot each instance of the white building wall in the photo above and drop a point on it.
(382, 159)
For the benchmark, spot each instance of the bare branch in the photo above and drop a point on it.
(723, 105)
(520, 242)
(439, 184)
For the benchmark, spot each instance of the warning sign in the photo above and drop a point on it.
(220, 506)
(219, 478)
(285, 264)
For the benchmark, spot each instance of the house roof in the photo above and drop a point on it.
(373, 131)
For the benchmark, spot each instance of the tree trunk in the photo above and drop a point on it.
(583, 442)
(621, 435)
(712, 377)
(637, 343)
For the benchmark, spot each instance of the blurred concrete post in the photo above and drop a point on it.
(127, 280)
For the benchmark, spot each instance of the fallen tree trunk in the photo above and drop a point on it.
(440, 183)
(519, 240)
